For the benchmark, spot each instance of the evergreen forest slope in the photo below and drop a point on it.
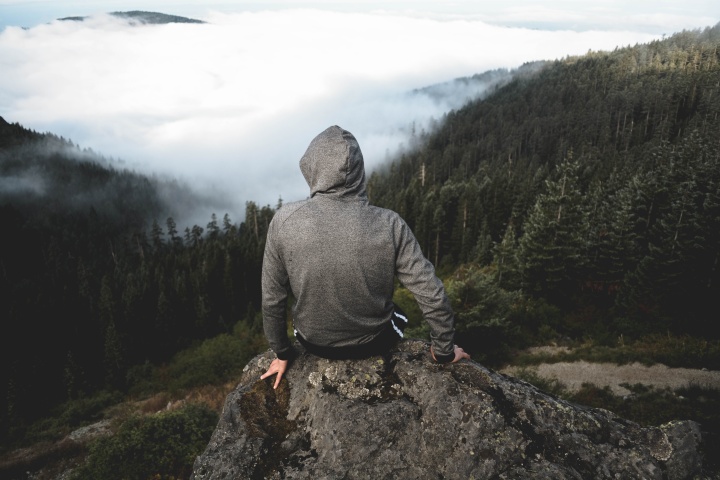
(590, 187)
(95, 278)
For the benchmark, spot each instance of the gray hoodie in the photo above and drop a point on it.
(338, 257)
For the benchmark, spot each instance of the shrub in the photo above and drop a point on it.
(679, 351)
(216, 360)
(417, 327)
(484, 314)
(159, 446)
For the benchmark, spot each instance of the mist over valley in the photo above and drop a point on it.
(230, 105)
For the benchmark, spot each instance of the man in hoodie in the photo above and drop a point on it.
(339, 256)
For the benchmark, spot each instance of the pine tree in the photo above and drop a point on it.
(156, 235)
(113, 358)
(505, 260)
(228, 227)
(212, 227)
(552, 242)
(172, 232)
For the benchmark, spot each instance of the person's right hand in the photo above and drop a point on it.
(277, 366)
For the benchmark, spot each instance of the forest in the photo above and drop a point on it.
(94, 285)
(580, 199)
(591, 185)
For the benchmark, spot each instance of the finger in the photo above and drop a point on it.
(460, 354)
(272, 370)
(277, 380)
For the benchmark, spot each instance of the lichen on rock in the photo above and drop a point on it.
(404, 416)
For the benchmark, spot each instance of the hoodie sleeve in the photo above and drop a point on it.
(417, 274)
(275, 285)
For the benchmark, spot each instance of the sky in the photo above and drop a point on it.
(230, 106)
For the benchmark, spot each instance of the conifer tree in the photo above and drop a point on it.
(552, 242)
(172, 231)
(228, 227)
(113, 358)
(505, 260)
(212, 227)
(156, 235)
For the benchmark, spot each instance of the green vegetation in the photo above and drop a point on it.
(159, 446)
(94, 289)
(673, 351)
(216, 360)
(108, 314)
(150, 441)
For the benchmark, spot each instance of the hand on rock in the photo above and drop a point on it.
(277, 366)
(459, 354)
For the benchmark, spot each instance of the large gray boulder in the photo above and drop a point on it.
(404, 417)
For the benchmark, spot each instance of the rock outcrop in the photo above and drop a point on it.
(404, 417)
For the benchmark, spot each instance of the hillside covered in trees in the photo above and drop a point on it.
(590, 187)
(95, 278)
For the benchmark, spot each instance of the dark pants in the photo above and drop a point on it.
(387, 339)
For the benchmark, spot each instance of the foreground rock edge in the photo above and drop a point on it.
(403, 416)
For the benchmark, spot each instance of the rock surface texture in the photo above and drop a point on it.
(404, 417)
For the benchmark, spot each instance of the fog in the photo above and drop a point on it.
(230, 106)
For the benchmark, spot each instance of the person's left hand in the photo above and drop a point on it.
(459, 354)
(277, 366)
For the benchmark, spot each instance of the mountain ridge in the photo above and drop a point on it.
(142, 17)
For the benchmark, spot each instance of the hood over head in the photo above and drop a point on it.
(333, 165)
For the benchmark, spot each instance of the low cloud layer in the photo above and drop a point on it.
(231, 105)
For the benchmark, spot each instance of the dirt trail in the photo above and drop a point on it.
(574, 374)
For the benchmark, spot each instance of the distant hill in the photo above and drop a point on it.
(13, 134)
(45, 175)
(141, 17)
(460, 91)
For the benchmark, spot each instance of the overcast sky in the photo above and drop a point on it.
(232, 104)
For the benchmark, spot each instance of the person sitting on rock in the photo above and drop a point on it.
(339, 256)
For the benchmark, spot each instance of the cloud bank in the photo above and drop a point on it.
(232, 104)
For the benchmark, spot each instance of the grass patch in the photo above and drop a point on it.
(670, 350)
